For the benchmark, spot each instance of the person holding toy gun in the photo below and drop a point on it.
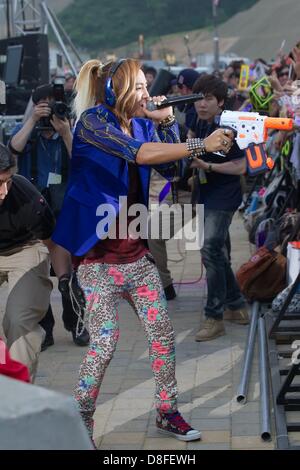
(218, 187)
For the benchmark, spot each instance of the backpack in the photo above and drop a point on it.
(286, 225)
(263, 230)
(263, 276)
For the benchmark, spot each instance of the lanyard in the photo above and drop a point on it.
(49, 154)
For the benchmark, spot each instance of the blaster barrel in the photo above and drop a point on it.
(284, 124)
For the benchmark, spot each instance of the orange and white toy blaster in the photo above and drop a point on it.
(251, 133)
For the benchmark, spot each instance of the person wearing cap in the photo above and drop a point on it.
(185, 82)
(43, 145)
(219, 190)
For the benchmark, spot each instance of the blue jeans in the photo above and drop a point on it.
(223, 290)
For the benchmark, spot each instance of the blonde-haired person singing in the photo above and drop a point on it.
(116, 142)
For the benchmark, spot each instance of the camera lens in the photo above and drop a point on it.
(60, 110)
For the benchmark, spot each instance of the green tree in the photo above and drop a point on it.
(105, 24)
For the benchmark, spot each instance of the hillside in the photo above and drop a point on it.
(58, 5)
(256, 32)
(103, 25)
(261, 30)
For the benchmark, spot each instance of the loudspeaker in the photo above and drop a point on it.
(16, 101)
(162, 83)
(35, 63)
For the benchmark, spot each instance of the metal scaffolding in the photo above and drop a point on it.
(34, 16)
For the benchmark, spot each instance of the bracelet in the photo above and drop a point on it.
(167, 122)
(196, 147)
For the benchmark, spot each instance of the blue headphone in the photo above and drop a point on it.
(110, 96)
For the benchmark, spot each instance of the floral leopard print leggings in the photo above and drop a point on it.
(104, 285)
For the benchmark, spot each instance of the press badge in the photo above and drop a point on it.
(54, 178)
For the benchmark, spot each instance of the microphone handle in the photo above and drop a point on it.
(174, 101)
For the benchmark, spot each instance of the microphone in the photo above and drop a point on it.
(174, 101)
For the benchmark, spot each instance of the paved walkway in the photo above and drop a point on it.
(207, 373)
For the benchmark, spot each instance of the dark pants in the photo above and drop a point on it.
(69, 318)
(222, 288)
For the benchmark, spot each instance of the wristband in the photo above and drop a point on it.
(167, 122)
(196, 147)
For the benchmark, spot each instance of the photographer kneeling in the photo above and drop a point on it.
(43, 145)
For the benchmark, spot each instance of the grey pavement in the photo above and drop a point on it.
(207, 373)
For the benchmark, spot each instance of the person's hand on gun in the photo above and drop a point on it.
(221, 140)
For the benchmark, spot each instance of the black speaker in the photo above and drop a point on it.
(35, 63)
(16, 101)
(162, 83)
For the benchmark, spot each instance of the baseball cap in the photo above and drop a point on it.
(42, 92)
(187, 77)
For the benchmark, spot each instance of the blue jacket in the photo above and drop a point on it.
(101, 154)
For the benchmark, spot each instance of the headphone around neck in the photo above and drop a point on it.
(110, 96)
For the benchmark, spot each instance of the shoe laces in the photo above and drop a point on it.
(208, 324)
(177, 420)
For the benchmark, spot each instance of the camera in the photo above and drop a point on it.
(58, 103)
(59, 107)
